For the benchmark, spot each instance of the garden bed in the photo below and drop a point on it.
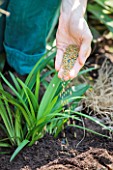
(86, 151)
(92, 153)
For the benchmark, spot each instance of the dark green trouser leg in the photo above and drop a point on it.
(26, 31)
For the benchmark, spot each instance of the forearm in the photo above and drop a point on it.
(74, 6)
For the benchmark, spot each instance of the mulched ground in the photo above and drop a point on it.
(92, 153)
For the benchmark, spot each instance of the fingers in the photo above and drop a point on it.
(75, 70)
(85, 48)
(58, 65)
(58, 60)
(84, 53)
(60, 73)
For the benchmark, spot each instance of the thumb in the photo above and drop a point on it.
(58, 60)
(84, 52)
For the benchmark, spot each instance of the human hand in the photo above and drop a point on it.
(72, 29)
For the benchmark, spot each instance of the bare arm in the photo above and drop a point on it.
(73, 29)
(69, 6)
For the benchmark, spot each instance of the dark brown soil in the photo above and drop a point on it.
(93, 153)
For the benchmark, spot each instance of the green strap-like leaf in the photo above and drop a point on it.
(32, 111)
(16, 92)
(49, 95)
(6, 145)
(18, 127)
(19, 107)
(47, 111)
(91, 118)
(37, 87)
(30, 81)
(19, 148)
(98, 12)
(88, 130)
(15, 82)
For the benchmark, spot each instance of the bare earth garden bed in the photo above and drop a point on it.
(65, 153)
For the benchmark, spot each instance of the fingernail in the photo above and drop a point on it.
(57, 67)
(72, 74)
(66, 78)
(59, 76)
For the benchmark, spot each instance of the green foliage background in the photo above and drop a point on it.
(100, 16)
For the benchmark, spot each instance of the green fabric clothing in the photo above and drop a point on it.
(24, 32)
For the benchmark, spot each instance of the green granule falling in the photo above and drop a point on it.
(69, 58)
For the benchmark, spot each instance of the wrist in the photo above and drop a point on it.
(77, 7)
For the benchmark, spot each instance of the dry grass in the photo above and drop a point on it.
(100, 97)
